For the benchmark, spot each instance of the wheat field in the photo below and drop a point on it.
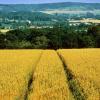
(50, 80)
(65, 74)
(15, 69)
(84, 64)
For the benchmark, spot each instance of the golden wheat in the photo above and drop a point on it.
(84, 64)
(47, 70)
(49, 79)
(15, 69)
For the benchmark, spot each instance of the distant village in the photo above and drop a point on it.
(21, 24)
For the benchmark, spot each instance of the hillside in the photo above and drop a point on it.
(50, 6)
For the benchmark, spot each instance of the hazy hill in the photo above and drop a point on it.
(50, 6)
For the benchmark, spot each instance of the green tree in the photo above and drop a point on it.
(2, 41)
(40, 42)
(56, 36)
(70, 40)
(86, 41)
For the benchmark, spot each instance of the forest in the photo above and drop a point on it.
(60, 36)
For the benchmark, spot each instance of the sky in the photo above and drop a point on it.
(43, 1)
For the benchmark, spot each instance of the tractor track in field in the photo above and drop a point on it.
(73, 84)
(31, 80)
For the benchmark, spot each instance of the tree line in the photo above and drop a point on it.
(60, 36)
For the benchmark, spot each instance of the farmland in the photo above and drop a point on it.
(86, 21)
(50, 80)
(68, 11)
(65, 74)
(4, 30)
(84, 66)
(15, 71)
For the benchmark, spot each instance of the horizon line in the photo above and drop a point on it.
(49, 3)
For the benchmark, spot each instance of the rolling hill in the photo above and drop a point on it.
(50, 6)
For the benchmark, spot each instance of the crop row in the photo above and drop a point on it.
(16, 67)
(84, 66)
(66, 74)
(49, 79)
